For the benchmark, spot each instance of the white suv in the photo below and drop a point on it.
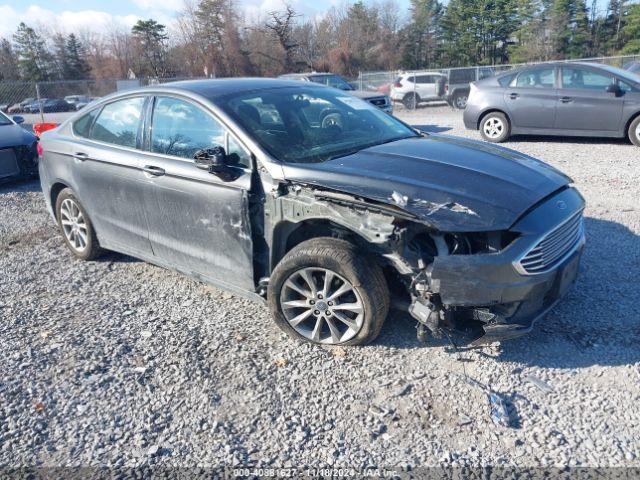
(415, 87)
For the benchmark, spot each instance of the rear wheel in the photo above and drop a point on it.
(460, 101)
(76, 227)
(495, 127)
(411, 100)
(324, 291)
(634, 132)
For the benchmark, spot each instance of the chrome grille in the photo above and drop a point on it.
(555, 245)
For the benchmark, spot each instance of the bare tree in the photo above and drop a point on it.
(281, 25)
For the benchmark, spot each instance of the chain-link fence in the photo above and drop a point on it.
(54, 101)
(410, 87)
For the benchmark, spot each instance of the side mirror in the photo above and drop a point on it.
(214, 160)
(211, 159)
(18, 119)
(615, 89)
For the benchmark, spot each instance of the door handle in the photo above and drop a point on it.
(153, 170)
(513, 96)
(566, 99)
(80, 156)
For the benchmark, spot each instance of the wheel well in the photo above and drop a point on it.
(406, 95)
(56, 188)
(493, 110)
(288, 235)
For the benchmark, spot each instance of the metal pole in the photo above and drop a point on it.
(39, 102)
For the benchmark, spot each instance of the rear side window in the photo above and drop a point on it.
(539, 78)
(118, 122)
(426, 79)
(82, 126)
(506, 80)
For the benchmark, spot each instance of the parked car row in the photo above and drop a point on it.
(48, 105)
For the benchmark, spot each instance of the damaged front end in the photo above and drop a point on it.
(493, 285)
(496, 285)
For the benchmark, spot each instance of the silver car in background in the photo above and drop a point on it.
(564, 99)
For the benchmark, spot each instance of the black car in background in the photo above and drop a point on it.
(18, 149)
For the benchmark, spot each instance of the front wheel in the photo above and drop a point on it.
(495, 127)
(324, 291)
(634, 131)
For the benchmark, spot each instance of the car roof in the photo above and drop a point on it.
(421, 72)
(213, 88)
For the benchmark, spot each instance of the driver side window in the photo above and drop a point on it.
(180, 128)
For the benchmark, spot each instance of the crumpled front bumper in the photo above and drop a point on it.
(491, 288)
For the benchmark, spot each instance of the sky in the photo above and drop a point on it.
(75, 15)
(67, 16)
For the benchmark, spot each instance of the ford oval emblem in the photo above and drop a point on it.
(561, 205)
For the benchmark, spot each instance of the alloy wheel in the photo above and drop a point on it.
(322, 306)
(638, 132)
(74, 225)
(461, 102)
(493, 127)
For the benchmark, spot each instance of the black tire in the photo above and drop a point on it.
(634, 131)
(344, 259)
(91, 248)
(460, 101)
(501, 130)
(411, 101)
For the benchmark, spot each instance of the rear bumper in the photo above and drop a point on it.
(471, 117)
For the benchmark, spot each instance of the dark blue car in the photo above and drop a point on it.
(18, 149)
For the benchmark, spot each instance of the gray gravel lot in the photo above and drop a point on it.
(117, 362)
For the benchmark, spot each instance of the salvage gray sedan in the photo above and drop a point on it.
(246, 185)
(566, 99)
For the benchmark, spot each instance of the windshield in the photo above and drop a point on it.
(4, 120)
(332, 81)
(312, 124)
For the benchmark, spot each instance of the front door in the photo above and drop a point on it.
(426, 86)
(531, 99)
(198, 223)
(585, 104)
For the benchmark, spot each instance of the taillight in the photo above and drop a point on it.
(39, 149)
(40, 128)
(397, 85)
(446, 87)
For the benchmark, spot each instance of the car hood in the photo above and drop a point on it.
(452, 183)
(364, 94)
(14, 135)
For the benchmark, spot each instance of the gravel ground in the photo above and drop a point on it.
(120, 363)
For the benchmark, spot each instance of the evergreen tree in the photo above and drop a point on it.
(151, 37)
(423, 34)
(77, 67)
(8, 61)
(530, 44)
(631, 30)
(568, 29)
(34, 61)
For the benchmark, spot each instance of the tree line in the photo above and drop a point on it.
(211, 38)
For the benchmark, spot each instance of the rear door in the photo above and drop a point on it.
(426, 86)
(107, 173)
(198, 222)
(531, 98)
(584, 103)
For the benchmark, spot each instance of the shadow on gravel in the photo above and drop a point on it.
(432, 128)
(595, 324)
